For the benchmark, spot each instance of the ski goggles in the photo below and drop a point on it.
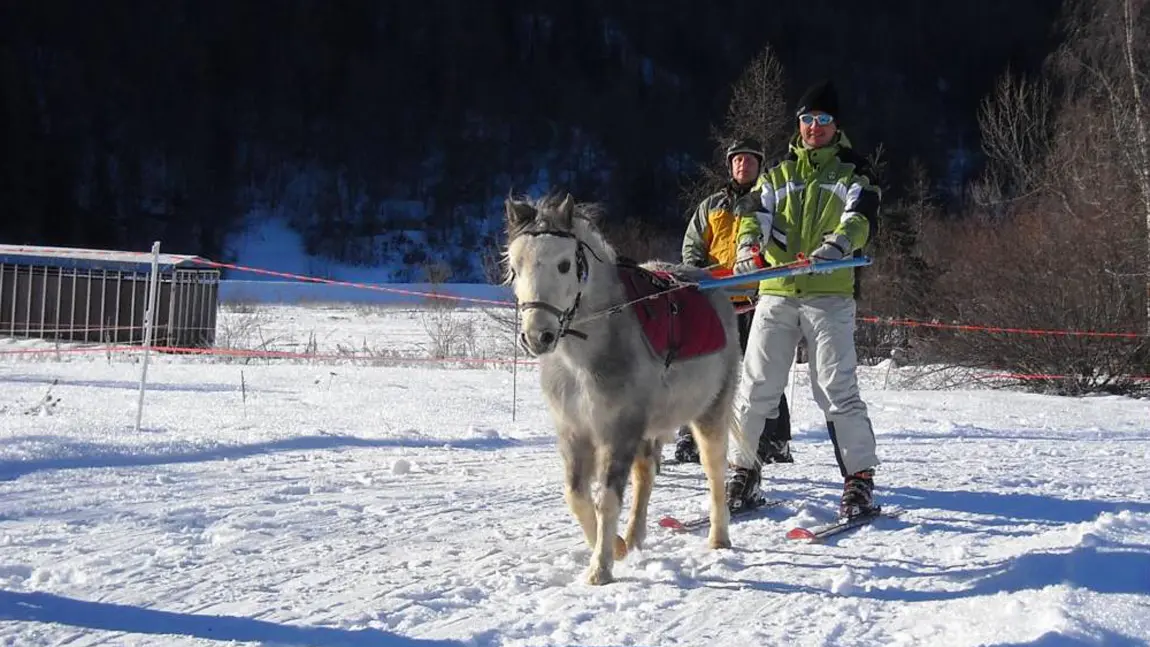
(822, 119)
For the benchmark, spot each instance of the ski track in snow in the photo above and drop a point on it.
(403, 506)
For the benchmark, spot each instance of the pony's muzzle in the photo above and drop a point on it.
(539, 342)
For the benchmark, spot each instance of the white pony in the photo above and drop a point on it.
(627, 353)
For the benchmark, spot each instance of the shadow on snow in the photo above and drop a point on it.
(93, 455)
(45, 607)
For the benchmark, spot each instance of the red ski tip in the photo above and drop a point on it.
(671, 522)
(800, 533)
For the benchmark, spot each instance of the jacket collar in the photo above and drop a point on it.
(817, 158)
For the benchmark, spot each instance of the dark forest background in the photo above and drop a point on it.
(130, 121)
(1012, 139)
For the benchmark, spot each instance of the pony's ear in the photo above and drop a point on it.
(567, 211)
(519, 214)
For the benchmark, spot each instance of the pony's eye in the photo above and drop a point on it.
(564, 266)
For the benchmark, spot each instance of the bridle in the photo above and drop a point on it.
(581, 272)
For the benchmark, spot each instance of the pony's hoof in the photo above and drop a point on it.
(719, 542)
(633, 544)
(620, 547)
(599, 577)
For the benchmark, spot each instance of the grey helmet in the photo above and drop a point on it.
(745, 145)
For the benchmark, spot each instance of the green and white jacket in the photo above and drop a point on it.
(810, 194)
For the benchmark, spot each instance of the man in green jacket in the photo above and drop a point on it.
(819, 202)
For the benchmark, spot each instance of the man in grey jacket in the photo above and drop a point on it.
(710, 242)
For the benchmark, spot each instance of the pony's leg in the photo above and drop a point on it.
(579, 462)
(615, 464)
(643, 472)
(711, 437)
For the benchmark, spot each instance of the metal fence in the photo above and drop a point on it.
(107, 305)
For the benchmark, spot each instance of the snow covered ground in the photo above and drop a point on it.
(358, 503)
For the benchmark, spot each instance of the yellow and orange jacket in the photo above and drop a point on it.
(712, 236)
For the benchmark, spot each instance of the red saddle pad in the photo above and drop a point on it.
(679, 322)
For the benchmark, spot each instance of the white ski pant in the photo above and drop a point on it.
(828, 324)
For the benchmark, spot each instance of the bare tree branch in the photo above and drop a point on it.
(756, 109)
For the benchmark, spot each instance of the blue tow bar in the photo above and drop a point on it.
(778, 272)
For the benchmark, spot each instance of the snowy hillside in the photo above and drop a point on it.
(326, 503)
(269, 243)
(267, 240)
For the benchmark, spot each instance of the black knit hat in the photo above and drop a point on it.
(820, 96)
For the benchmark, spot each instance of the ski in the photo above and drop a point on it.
(671, 462)
(702, 521)
(821, 532)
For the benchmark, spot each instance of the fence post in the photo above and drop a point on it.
(515, 365)
(149, 320)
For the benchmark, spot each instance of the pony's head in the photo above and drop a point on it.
(547, 248)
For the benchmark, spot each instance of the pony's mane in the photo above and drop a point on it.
(584, 225)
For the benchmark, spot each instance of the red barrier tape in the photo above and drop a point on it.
(265, 354)
(1043, 376)
(988, 329)
(350, 284)
(237, 352)
(996, 329)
